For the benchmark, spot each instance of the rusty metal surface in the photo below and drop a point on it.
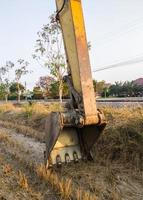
(89, 136)
(60, 140)
(69, 42)
(67, 143)
(52, 132)
(83, 60)
(65, 137)
(74, 119)
(72, 22)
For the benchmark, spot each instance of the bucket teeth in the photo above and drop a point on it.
(67, 158)
(75, 157)
(50, 163)
(58, 161)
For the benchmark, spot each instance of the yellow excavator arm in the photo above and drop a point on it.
(71, 135)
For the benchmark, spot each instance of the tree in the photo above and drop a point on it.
(13, 90)
(5, 85)
(37, 93)
(126, 89)
(3, 92)
(50, 87)
(138, 90)
(116, 89)
(66, 93)
(54, 90)
(45, 83)
(105, 92)
(14, 87)
(19, 72)
(4, 79)
(99, 87)
(50, 53)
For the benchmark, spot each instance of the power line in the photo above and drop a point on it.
(120, 64)
(123, 32)
(123, 27)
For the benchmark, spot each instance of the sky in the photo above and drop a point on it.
(114, 28)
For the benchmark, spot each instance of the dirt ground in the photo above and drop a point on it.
(19, 155)
(107, 182)
(116, 173)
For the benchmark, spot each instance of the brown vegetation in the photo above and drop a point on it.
(23, 182)
(122, 140)
(118, 155)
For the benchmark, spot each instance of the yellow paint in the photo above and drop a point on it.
(74, 35)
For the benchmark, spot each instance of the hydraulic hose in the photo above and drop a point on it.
(59, 11)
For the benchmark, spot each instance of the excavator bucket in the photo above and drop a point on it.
(62, 144)
(67, 144)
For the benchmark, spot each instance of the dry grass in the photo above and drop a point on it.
(28, 119)
(55, 107)
(81, 194)
(122, 140)
(25, 130)
(6, 107)
(7, 140)
(88, 196)
(33, 109)
(40, 109)
(65, 186)
(123, 115)
(7, 169)
(23, 182)
(3, 137)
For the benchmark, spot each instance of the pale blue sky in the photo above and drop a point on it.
(114, 27)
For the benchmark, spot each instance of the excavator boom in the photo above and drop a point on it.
(71, 135)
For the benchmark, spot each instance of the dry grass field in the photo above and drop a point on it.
(116, 173)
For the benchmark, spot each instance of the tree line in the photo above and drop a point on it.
(118, 89)
(11, 87)
(48, 88)
(49, 53)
